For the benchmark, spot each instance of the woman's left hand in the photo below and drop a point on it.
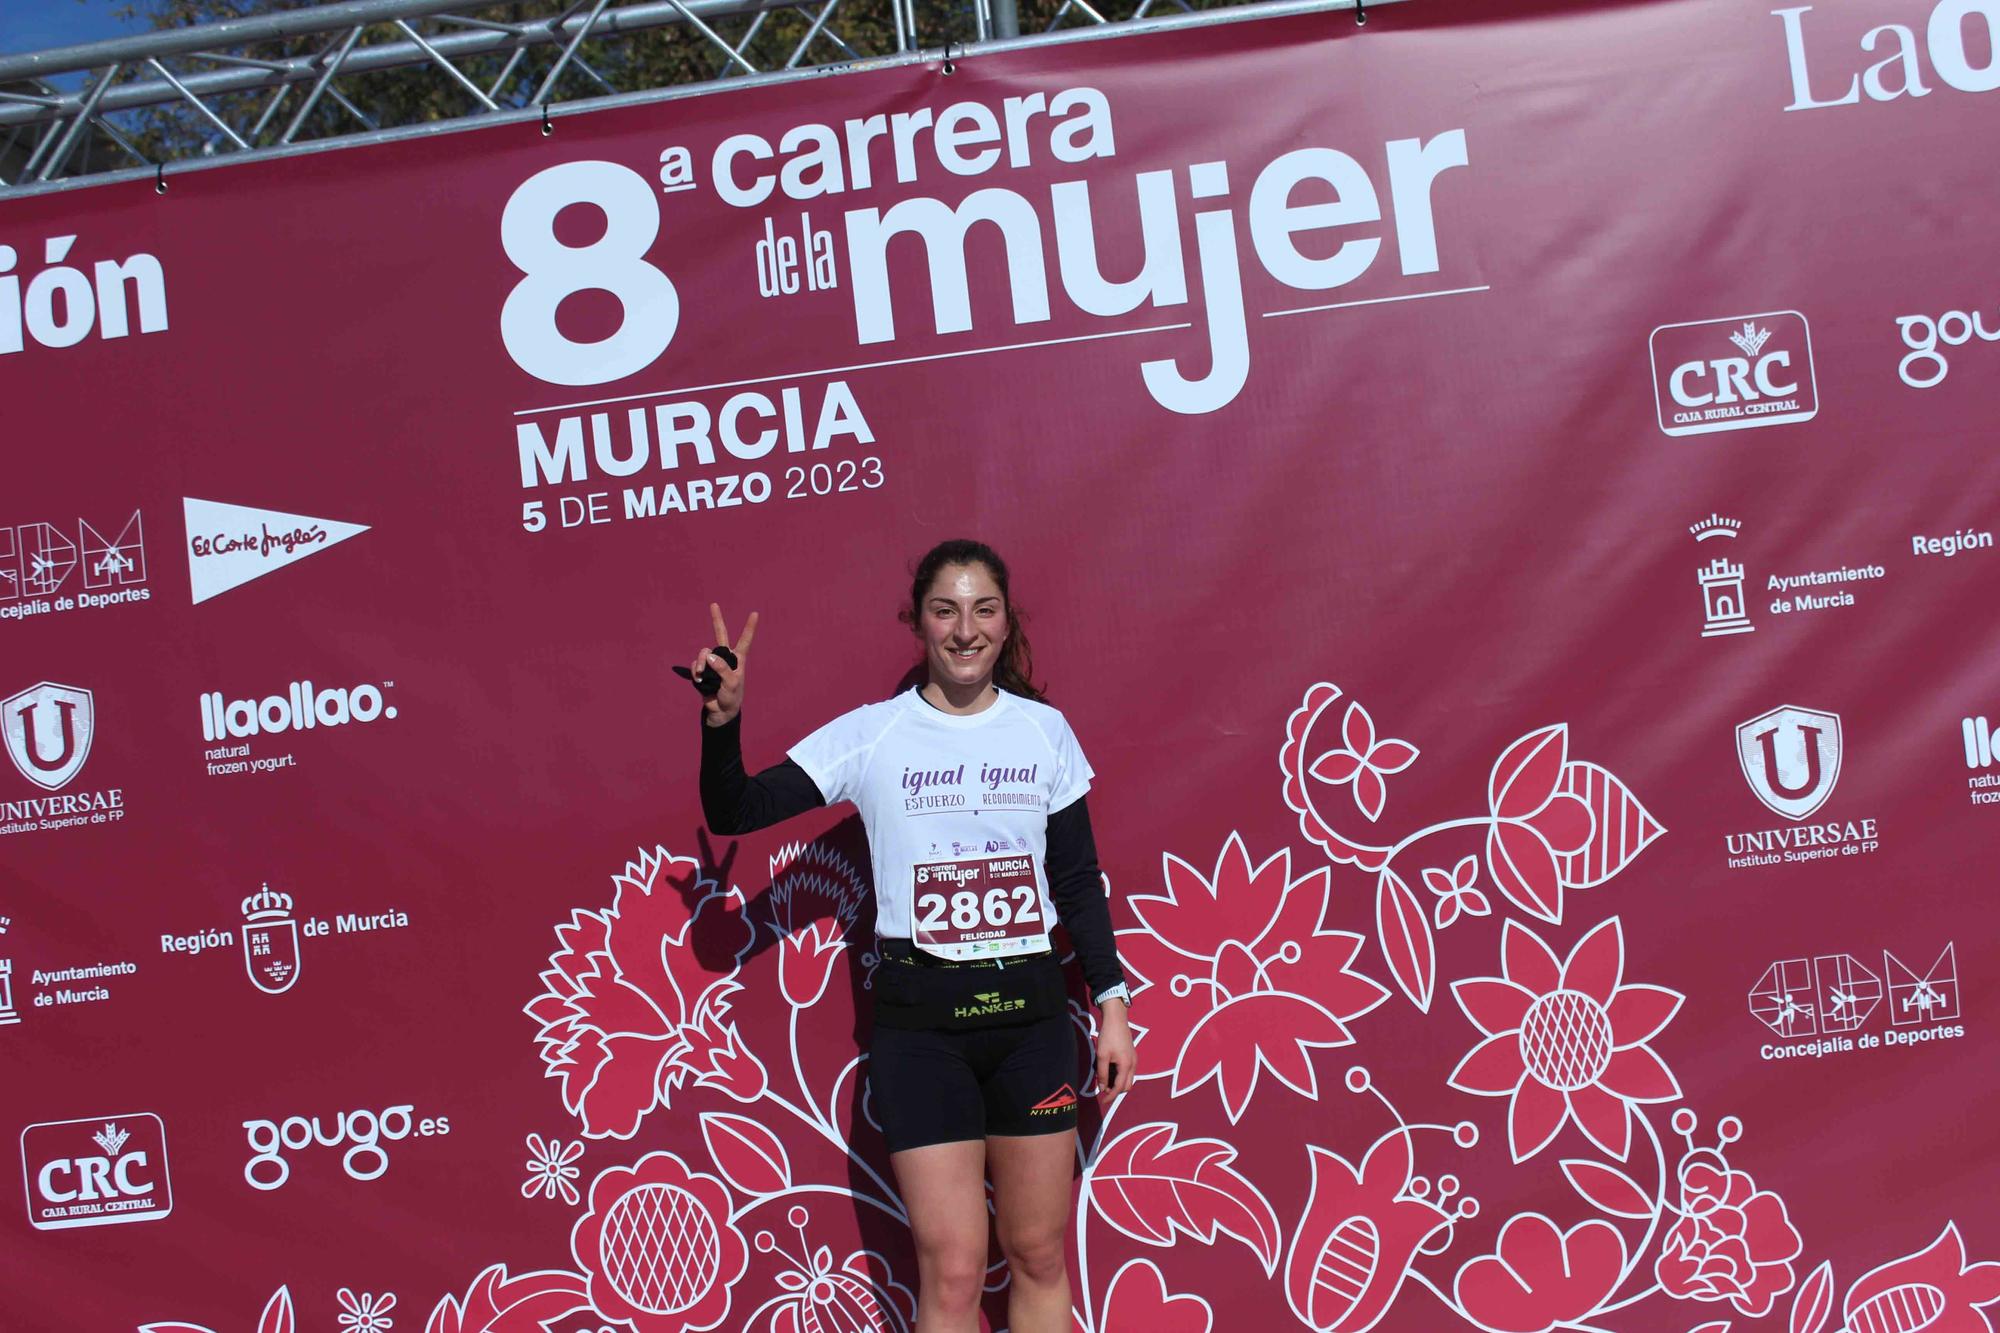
(1117, 1056)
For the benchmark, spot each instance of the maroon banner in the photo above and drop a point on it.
(1561, 441)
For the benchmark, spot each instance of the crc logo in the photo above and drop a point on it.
(48, 730)
(36, 559)
(363, 1133)
(96, 1173)
(1791, 758)
(1734, 374)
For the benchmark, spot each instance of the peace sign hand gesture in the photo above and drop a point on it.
(721, 708)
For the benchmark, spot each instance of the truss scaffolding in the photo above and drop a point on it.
(357, 71)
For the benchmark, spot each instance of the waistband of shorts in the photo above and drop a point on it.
(896, 950)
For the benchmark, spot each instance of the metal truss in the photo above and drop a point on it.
(267, 85)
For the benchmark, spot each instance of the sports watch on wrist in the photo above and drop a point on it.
(1118, 992)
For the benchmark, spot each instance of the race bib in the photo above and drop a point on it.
(986, 907)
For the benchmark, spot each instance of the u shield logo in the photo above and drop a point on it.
(1791, 758)
(48, 729)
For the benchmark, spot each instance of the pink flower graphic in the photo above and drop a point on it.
(636, 999)
(1733, 1242)
(1138, 1302)
(659, 1248)
(1934, 1290)
(1538, 826)
(816, 897)
(1364, 761)
(1455, 893)
(1566, 1041)
(1238, 976)
(859, 1295)
(1542, 1277)
(1362, 1232)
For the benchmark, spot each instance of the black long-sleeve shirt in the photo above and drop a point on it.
(734, 802)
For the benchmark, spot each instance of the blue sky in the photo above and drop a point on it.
(34, 25)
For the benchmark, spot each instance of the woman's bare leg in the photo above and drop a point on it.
(944, 1187)
(1031, 1195)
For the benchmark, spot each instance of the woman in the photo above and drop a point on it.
(972, 792)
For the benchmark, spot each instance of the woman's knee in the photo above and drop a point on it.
(1035, 1256)
(952, 1272)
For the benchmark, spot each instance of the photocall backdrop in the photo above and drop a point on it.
(1504, 500)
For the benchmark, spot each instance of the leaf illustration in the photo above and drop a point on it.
(1405, 935)
(1608, 1188)
(1525, 870)
(1814, 1302)
(1621, 827)
(277, 1316)
(1526, 773)
(1150, 1187)
(499, 1304)
(748, 1154)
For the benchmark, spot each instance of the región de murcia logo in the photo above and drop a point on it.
(270, 941)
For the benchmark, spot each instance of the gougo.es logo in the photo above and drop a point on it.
(1923, 365)
(363, 1134)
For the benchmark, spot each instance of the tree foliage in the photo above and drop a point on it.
(652, 58)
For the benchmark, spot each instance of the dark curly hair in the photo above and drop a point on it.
(1014, 672)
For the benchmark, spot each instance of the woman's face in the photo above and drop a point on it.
(964, 622)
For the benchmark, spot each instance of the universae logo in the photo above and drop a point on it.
(1791, 758)
(1734, 374)
(48, 729)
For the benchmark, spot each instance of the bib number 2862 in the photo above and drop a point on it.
(978, 908)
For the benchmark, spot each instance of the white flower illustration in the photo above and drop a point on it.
(366, 1313)
(551, 1169)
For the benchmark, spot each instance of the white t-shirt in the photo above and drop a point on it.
(957, 809)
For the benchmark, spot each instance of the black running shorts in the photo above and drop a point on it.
(961, 1051)
(928, 1086)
